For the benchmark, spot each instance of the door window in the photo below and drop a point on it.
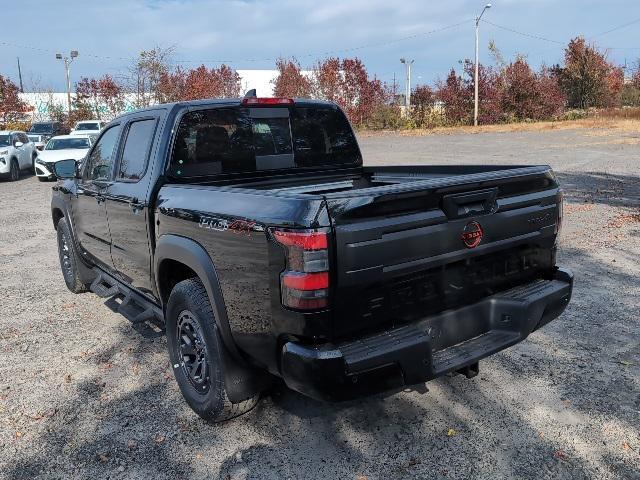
(100, 161)
(136, 150)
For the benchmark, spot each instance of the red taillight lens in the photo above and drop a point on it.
(304, 240)
(305, 282)
(267, 101)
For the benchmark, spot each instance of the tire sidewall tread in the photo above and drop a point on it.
(213, 406)
(74, 284)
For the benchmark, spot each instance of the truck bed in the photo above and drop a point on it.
(378, 180)
(397, 252)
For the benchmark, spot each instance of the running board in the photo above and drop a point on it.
(134, 307)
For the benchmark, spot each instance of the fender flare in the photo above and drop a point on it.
(194, 256)
(58, 203)
(242, 381)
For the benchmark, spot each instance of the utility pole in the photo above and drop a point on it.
(475, 78)
(407, 96)
(20, 75)
(394, 88)
(67, 61)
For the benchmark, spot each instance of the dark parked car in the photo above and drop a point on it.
(252, 228)
(48, 129)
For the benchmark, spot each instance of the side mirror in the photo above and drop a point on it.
(65, 169)
(18, 144)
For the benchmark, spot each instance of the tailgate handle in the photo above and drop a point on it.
(470, 203)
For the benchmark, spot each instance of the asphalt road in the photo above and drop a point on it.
(85, 394)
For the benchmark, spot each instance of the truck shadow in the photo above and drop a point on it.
(126, 419)
(601, 187)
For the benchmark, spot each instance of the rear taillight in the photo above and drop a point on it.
(304, 284)
(560, 203)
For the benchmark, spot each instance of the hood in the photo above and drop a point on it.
(57, 155)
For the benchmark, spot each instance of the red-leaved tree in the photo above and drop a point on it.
(97, 98)
(199, 83)
(12, 109)
(347, 83)
(453, 95)
(222, 82)
(489, 92)
(291, 82)
(586, 76)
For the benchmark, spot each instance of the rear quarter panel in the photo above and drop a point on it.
(232, 226)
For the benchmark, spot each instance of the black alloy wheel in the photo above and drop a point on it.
(193, 352)
(65, 258)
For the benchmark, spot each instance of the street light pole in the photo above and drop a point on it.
(67, 61)
(475, 78)
(407, 83)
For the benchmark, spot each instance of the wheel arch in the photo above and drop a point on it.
(186, 258)
(189, 257)
(58, 212)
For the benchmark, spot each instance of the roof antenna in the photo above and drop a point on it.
(251, 93)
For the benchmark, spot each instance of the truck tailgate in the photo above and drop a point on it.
(406, 250)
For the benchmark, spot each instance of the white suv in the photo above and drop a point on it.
(88, 127)
(62, 147)
(17, 153)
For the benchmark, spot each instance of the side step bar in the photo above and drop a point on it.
(134, 307)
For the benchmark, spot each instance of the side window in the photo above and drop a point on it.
(136, 150)
(213, 141)
(15, 138)
(23, 138)
(101, 159)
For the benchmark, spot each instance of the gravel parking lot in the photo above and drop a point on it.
(86, 394)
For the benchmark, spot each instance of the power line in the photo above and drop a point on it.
(530, 35)
(343, 50)
(229, 61)
(48, 51)
(619, 27)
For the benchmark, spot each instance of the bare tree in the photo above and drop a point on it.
(146, 74)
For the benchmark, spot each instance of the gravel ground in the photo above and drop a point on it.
(85, 394)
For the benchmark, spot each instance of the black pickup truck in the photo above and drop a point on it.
(253, 230)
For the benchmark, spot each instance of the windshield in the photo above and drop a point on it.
(41, 128)
(5, 140)
(88, 126)
(67, 143)
(234, 140)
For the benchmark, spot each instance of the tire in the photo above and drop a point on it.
(43, 179)
(69, 258)
(14, 171)
(33, 162)
(191, 327)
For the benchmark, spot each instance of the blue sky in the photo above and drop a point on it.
(250, 34)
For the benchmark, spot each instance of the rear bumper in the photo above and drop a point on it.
(429, 348)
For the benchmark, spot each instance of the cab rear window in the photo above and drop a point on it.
(238, 140)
